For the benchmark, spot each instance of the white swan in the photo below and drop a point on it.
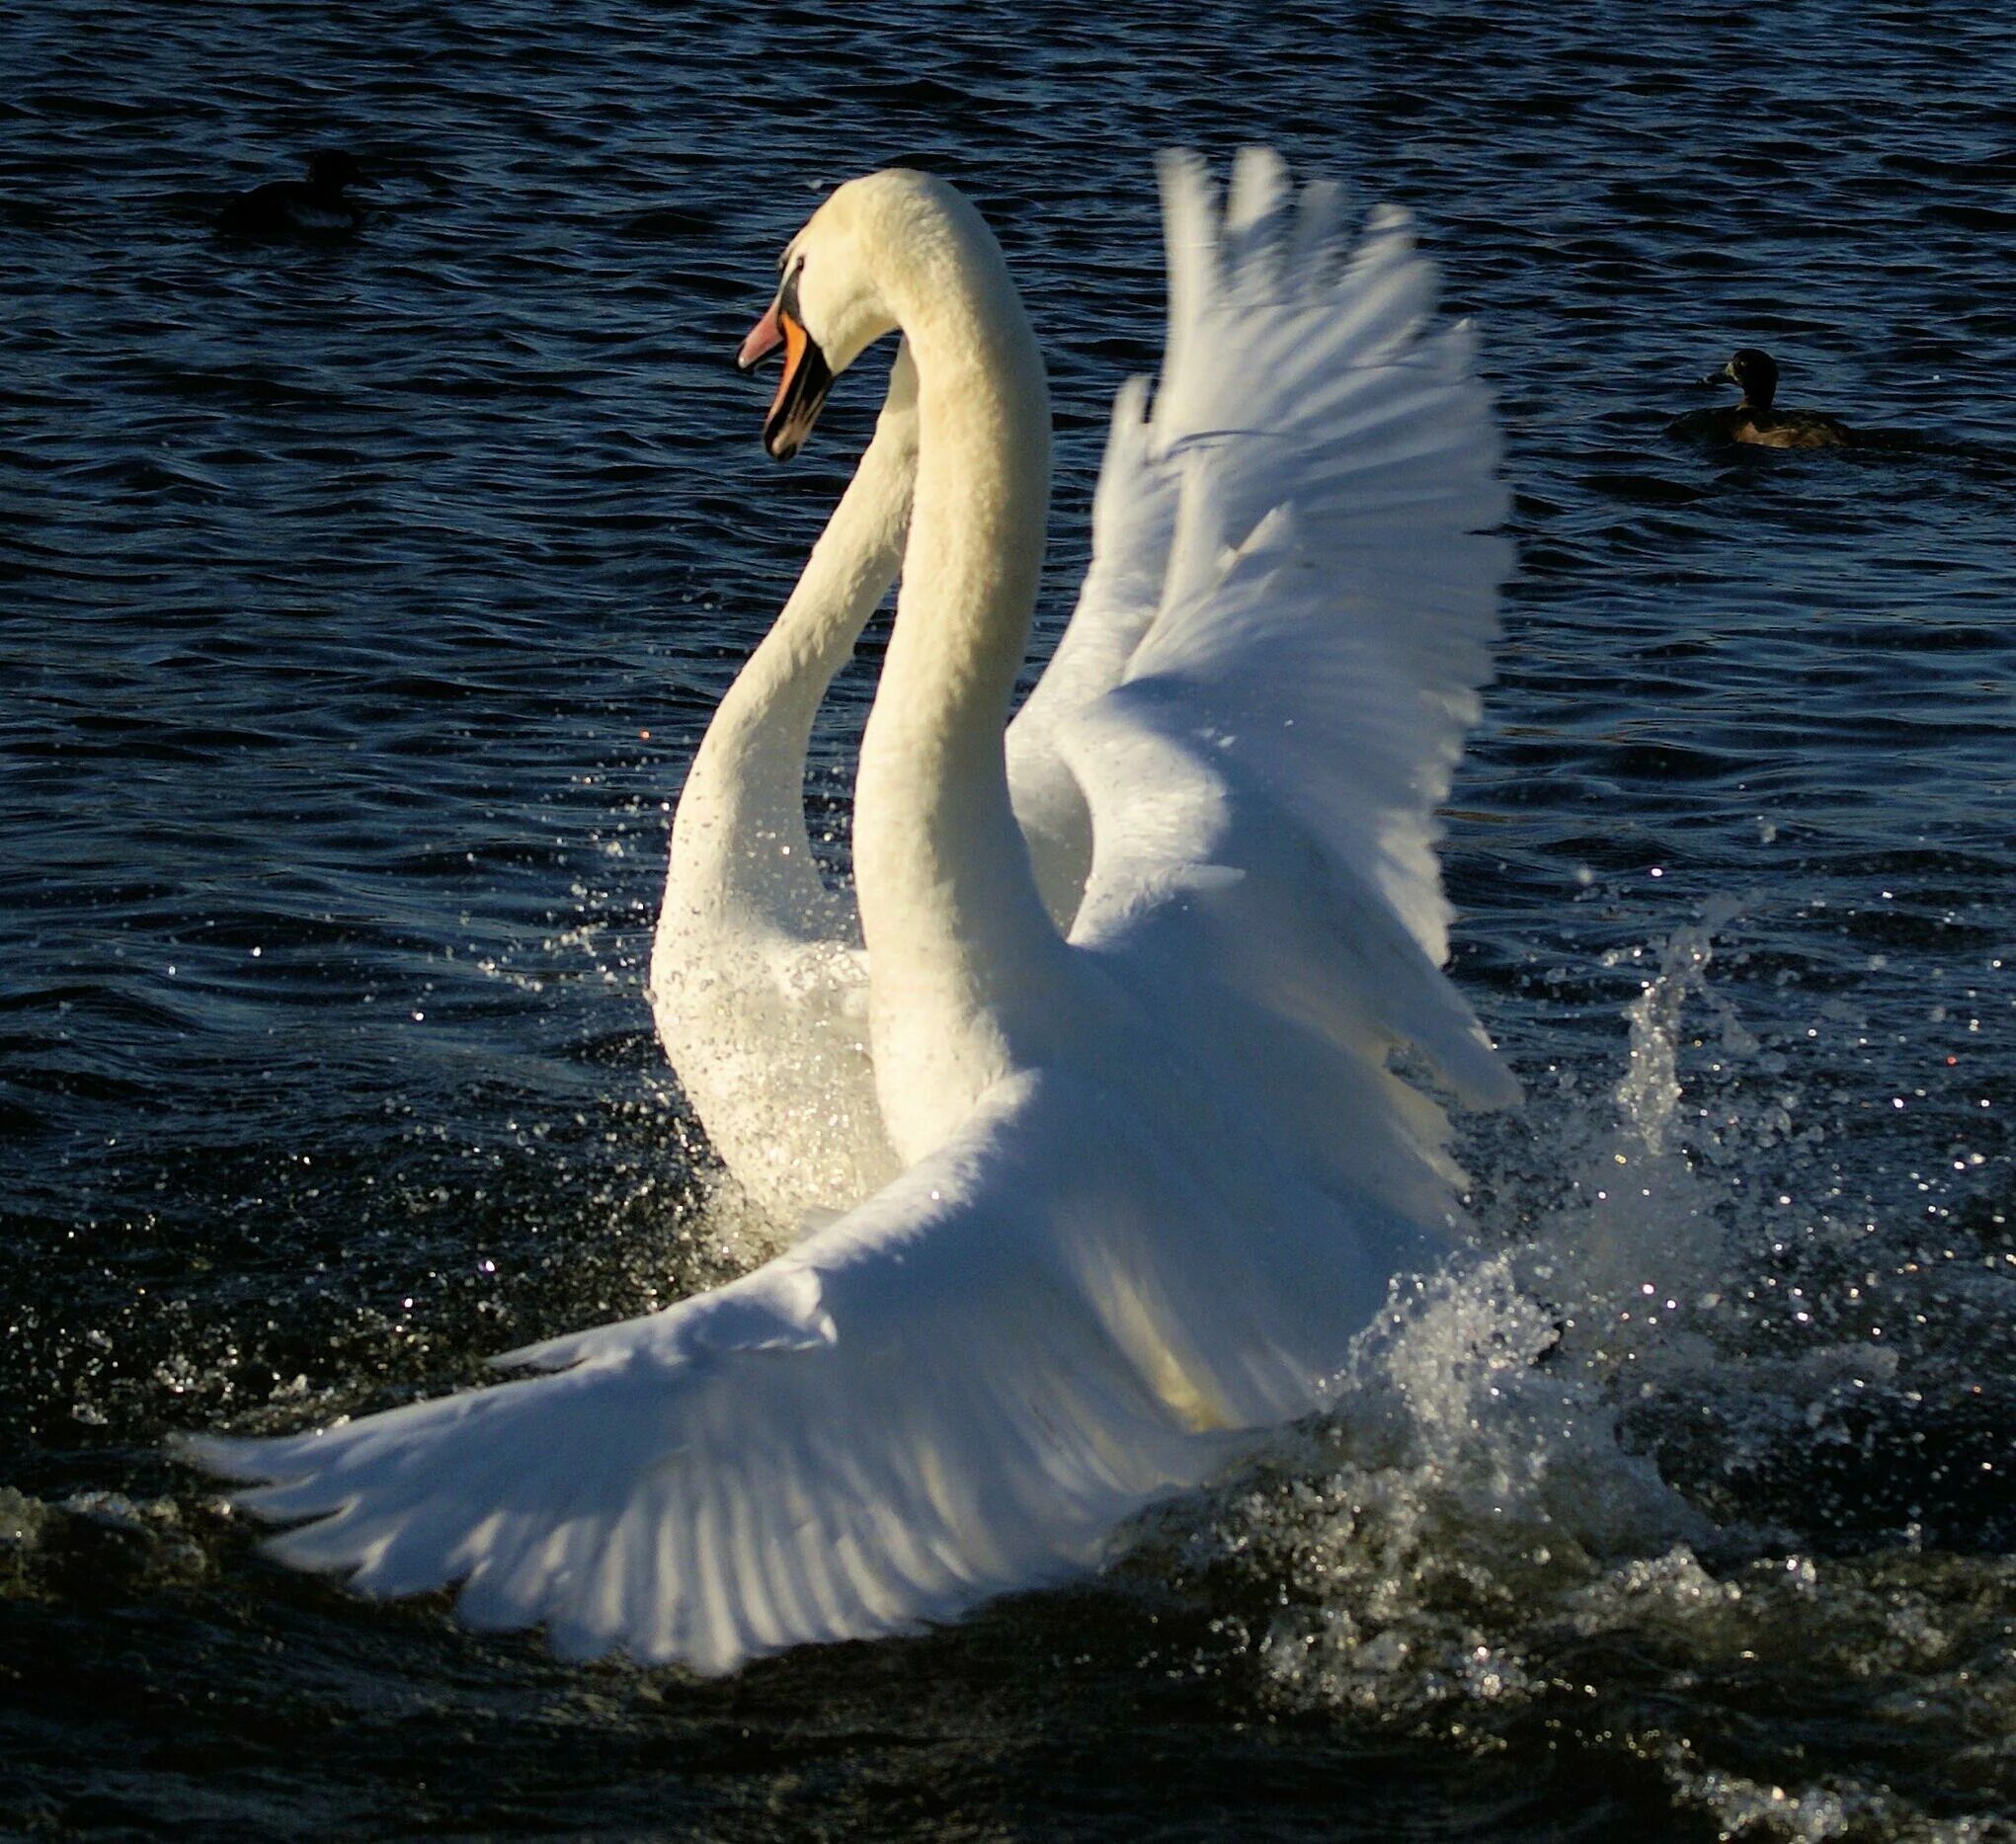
(1162, 1172)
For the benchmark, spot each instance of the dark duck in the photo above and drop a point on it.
(311, 208)
(1756, 420)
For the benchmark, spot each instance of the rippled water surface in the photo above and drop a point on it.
(361, 602)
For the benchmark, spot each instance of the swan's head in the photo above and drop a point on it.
(873, 237)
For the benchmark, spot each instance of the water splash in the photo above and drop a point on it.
(1572, 1485)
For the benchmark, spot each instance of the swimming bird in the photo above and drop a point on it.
(314, 206)
(1157, 1172)
(1755, 420)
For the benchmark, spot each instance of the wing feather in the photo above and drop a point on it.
(1299, 373)
(1013, 1349)
(1295, 710)
(1263, 778)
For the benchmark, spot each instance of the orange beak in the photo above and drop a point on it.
(801, 391)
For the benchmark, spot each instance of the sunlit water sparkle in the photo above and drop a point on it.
(360, 605)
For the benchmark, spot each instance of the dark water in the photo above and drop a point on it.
(360, 604)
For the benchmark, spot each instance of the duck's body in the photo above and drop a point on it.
(1755, 422)
(1765, 429)
(312, 207)
(1160, 1169)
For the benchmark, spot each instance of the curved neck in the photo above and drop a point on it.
(951, 912)
(741, 817)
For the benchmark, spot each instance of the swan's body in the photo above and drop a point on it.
(1158, 1174)
(758, 984)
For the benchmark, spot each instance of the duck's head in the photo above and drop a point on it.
(873, 242)
(1755, 372)
(331, 169)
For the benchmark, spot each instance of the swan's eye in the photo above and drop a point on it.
(787, 295)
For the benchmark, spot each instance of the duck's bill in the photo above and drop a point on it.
(801, 391)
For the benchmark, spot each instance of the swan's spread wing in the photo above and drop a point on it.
(1204, 384)
(1263, 322)
(1263, 781)
(957, 1388)
(1331, 571)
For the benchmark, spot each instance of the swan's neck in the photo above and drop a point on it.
(740, 832)
(960, 947)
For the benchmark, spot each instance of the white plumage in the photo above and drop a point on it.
(1160, 1174)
